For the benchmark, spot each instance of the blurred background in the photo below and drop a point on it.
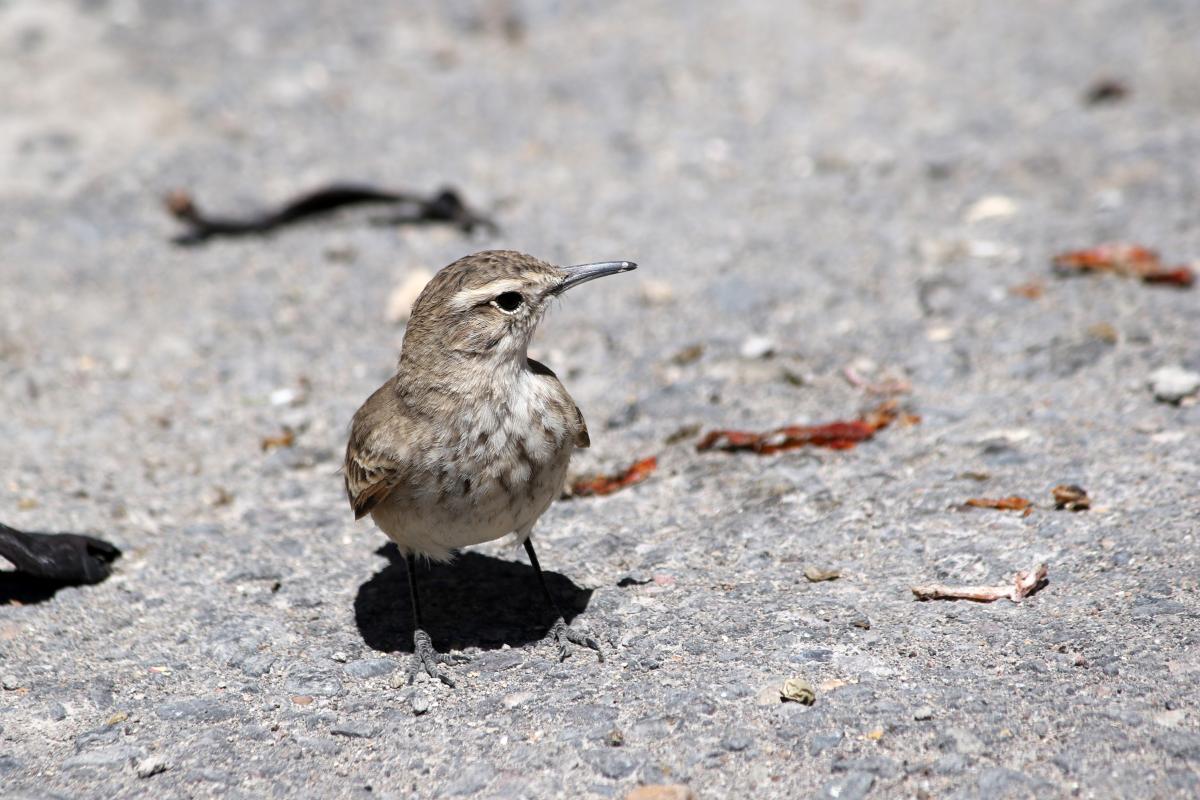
(877, 186)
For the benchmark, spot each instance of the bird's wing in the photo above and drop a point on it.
(373, 468)
(370, 477)
(582, 439)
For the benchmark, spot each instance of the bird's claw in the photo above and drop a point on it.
(425, 657)
(563, 633)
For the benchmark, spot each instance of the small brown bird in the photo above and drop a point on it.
(470, 439)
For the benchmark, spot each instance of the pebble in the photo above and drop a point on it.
(1174, 383)
(150, 765)
(992, 206)
(758, 347)
(923, 713)
(399, 304)
(10, 682)
(419, 702)
(655, 292)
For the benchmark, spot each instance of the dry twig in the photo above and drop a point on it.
(1025, 583)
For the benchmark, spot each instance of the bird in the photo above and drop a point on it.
(470, 439)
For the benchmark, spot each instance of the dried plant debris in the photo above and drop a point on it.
(1025, 583)
(840, 435)
(1030, 290)
(797, 690)
(817, 575)
(1071, 497)
(1012, 503)
(607, 484)
(1129, 260)
(682, 432)
(1105, 90)
(446, 206)
(285, 438)
(58, 558)
(887, 385)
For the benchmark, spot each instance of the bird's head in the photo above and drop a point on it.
(486, 306)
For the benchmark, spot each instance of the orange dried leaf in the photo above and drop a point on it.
(1013, 503)
(285, 438)
(840, 435)
(1130, 260)
(607, 484)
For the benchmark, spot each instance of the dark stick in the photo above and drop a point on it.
(444, 207)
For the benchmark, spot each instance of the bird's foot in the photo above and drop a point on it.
(426, 658)
(563, 633)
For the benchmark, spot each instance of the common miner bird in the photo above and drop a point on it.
(470, 439)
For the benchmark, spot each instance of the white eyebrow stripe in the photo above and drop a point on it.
(469, 298)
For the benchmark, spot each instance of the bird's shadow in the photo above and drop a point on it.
(475, 601)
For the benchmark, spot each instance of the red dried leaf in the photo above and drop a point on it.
(607, 484)
(1182, 277)
(840, 435)
(1130, 260)
(1013, 503)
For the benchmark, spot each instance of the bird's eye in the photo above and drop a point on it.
(508, 302)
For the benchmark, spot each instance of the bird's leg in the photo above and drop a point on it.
(561, 632)
(426, 656)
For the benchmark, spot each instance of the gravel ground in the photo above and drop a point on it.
(858, 183)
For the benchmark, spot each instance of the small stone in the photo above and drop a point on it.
(10, 682)
(419, 702)
(283, 397)
(758, 347)
(993, 206)
(851, 786)
(662, 791)
(1174, 383)
(817, 575)
(56, 711)
(923, 713)
(399, 304)
(302, 699)
(370, 668)
(340, 657)
(656, 293)
(150, 765)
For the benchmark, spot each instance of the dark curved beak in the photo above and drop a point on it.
(582, 273)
